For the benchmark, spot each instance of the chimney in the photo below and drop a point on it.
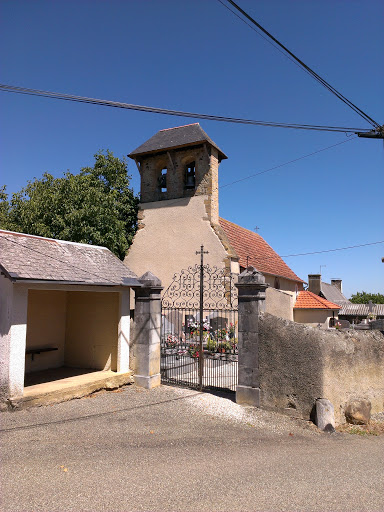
(337, 283)
(314, 283)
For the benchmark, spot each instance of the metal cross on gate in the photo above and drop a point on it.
(201, 336)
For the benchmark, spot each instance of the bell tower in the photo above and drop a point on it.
(178, 163)
(179, 204)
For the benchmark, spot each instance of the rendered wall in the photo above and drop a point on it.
(92, 330)
(299, 364)
(279, 303)
(13, 329)
(46, 328)
(173, 231)
(6, 296)
(313, 317)
(286, 285)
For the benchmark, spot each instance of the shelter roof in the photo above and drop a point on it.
(252, 249)
(172, 138)
(309, 300)
(35, 258)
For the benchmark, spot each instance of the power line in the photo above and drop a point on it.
(306, 68)
(181, 199)
(180, 113)
(332, 250)
(286, 163)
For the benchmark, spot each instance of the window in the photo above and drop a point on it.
(163, 180)
(190, 176)
(277, 283)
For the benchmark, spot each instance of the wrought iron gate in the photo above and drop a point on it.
(199, 329)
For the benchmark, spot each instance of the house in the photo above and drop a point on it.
(61, 304)
(179, 212)
(330, 291)
(311, 309)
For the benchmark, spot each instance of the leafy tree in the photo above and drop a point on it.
(364, 298)
(95, 206)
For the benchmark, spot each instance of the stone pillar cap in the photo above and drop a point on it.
(149, 280)
(251, 276)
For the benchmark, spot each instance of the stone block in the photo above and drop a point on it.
(358, 411)
(246, 395)
(324, 416)
(148, 382)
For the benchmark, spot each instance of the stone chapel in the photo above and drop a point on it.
(179, 212)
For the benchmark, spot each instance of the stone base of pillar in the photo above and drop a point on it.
(148, 382)
(245, 395)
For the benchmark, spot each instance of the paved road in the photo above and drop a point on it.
(170, 449)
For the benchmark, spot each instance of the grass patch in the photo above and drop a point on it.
(374, 428)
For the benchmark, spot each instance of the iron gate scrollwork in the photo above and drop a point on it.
(199, 329)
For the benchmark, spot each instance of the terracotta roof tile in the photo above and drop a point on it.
(261, 255)
(309, 300)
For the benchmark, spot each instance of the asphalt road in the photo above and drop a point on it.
(173, 450)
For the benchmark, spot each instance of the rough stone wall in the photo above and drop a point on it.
(299, 364)
(211, 186)
(175, 162)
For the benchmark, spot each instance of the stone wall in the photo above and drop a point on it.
(299, 363)
(175, 162)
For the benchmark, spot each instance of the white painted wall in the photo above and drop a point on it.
(13, 331)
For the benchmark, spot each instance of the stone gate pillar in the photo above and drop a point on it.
(251, 292)
(147, 331)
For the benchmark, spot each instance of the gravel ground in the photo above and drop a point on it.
(224, 407)
(172, 449)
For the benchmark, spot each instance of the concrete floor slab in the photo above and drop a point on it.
(79, 383)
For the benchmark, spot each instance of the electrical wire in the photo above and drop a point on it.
(332, 250)
(286, 163)
(180, 113)
(306, 68)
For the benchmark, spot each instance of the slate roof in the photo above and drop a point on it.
(309, 300)
(261, 255)
(351, 309)
(332, 293)
(172, 138)
(27, 257)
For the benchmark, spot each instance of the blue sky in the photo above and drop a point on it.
(195, 55)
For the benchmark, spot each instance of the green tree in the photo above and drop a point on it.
(364, 298)
(95, 206)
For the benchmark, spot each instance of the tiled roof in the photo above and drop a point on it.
(172, 138)
(309, 300)
(361, 309)
(260, 255)
(27, 257)
(332, 293)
